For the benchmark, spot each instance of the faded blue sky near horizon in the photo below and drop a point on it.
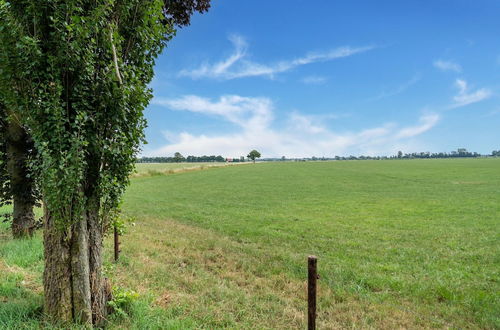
(319, 78)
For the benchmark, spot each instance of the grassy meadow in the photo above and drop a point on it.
(401, 244)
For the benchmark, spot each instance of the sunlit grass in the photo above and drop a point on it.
(401, 244)
(415, 239)
(155, 169)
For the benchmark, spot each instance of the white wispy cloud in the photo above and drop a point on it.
(426, 122)
(301, 135)
(466, 97)
(237, 64)
(242, 111)
(303, 123)
(448, 65)
(399, 89)
(314, 80)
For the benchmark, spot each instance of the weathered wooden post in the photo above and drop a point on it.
(117, 244)
(311, 292)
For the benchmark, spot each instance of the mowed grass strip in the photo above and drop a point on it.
(411, 243)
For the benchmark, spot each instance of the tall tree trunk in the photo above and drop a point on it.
(75, 289)
(18, 148)
(99, 286)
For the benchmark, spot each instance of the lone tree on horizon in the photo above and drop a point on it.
(253, 155)
(178, 157)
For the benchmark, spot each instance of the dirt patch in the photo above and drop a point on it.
(163, 300)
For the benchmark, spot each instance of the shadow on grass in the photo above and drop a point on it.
(20, 308)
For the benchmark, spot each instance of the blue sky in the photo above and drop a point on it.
(301, 78)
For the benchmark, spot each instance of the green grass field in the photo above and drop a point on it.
(401, 244)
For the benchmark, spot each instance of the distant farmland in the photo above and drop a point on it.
(401, 244)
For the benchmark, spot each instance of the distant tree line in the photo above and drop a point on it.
(459, 153)
(178, 158)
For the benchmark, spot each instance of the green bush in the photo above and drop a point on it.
(122, 301)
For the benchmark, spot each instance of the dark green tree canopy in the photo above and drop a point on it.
(179, 12)
(77, 73)
(178, 157)
(253, 155)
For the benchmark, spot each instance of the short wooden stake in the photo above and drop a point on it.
(117, 244)
(311, 292)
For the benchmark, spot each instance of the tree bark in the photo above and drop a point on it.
(18, 148)
(57, 273)
(99, 285)
(75, 289)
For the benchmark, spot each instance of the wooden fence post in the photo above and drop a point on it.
(117, 244)
(311, 292)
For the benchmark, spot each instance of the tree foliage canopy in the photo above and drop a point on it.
(253, 154)
(77, 73)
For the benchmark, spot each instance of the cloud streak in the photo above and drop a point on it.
(398, 90)
(426, 122)
(237, 64)
(239, 110)
(300, 136)
(447, 66)
(466, 97)
(314, 80)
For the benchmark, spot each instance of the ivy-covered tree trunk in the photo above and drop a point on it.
(78, 73)
(18, 146)
(75, 289)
